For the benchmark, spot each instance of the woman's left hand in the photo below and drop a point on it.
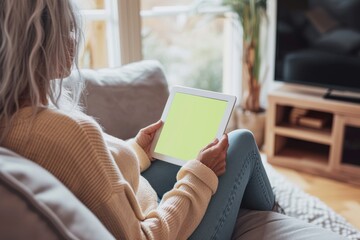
(146, 135)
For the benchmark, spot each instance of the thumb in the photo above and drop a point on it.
(153, 127)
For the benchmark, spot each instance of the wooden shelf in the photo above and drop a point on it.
(302, 152)
(315, 135)
(316, 151)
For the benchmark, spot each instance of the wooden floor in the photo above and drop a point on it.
(342, 197)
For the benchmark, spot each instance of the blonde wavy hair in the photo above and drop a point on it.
(38, 44)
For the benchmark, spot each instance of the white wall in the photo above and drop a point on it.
(268, 38)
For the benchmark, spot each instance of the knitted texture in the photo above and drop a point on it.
(104, 173)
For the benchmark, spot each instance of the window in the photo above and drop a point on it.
(197, 41)
(101, 34)
(191, 39)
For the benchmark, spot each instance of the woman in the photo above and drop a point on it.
(37, 48)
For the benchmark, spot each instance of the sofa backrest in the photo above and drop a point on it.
(125, 99)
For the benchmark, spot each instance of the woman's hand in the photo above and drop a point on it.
(146, 135)
(214, 155)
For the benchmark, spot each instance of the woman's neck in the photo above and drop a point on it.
(28, 103)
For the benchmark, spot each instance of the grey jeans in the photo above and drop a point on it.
(244, 184)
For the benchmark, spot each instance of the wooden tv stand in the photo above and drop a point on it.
(330, 151)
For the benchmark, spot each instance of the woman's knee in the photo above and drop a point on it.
(242, 145)
(242, 138)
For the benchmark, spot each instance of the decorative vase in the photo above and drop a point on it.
(253, 121)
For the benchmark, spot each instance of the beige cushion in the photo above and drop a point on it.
(127, 98)
(35, 205)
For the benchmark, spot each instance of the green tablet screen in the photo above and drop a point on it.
(192, 123)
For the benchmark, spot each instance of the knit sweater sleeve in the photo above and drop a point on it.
(141, 156)
(176, 217)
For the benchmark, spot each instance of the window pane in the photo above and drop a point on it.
(90, 4)
(94, 53)
(149, 4)
(189, 47)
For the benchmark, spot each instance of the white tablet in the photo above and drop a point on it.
(192, 119)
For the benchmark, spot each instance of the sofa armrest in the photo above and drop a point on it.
(36, 205)
(126, 99)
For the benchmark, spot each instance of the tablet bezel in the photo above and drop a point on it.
(196, 92)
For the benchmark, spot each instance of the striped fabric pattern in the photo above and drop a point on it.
(104, 173)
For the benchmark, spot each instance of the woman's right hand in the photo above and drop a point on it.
(214, 155)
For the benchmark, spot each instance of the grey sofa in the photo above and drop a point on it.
(35, 205)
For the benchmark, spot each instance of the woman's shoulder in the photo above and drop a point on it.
(56, 117)
(50, 120)
(52, 127)
(52, 130)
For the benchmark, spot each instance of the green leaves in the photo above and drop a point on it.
(251, 14)
(239, 4)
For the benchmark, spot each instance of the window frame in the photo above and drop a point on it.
(123, 29)
(125, 17)
(130, 30)
(232, 50)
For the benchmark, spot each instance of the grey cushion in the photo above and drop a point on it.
(19, 221)
(126, 99)
(271, 225)
(35, 205)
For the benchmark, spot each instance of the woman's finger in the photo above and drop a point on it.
(219, 147)
(153, 127)
(224, 142)
(213, 143)
(220, 168)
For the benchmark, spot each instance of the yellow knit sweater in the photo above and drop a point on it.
(104, 173)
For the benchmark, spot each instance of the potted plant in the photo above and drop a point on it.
(250, 114)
